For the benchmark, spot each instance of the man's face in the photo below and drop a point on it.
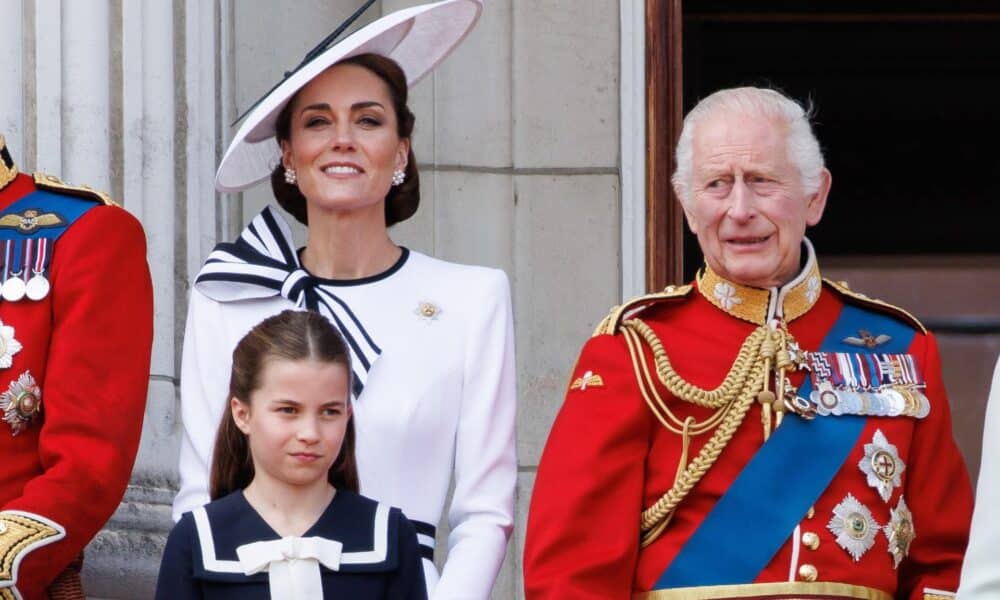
(749, 209)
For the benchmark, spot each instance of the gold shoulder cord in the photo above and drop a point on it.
(746, 381)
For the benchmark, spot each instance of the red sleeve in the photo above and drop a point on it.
(583, 525)
(93, 390)
(938, 492)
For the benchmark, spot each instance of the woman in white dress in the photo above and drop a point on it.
(431, 341)
(981, 568)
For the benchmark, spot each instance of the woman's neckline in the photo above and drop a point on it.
(396, 266)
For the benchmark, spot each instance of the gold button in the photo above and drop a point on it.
(811, 513)
(808, 573)
(810, 540)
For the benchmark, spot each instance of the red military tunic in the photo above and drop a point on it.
(87, 346)
(608, 458)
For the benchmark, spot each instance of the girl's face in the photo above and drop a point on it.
(343, 141)
(295, 421)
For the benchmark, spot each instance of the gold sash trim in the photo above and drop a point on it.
(790, 590)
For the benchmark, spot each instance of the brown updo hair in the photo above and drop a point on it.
(290, 335)
(402, 200)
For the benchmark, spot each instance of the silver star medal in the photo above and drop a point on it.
(900, 532)
(8, 346)
(882, 465)
(854, 527)
(21, 403)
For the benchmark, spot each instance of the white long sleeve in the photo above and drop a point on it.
(981, 569)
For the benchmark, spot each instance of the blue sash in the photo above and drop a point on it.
(759, 511)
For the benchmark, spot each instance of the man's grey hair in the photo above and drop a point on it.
(803, 147)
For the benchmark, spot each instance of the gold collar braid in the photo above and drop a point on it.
(8, 170)
(753, 304)
(766, 350)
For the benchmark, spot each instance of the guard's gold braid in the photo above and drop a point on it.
(732, 400)
(727, 391)
(665, 506)
(652, 397)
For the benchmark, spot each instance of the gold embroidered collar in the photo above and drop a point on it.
(757, 305)
(8, 170)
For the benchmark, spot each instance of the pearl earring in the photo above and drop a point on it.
(398, 177)
(290, 177)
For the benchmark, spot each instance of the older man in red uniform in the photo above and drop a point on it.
(75, 338)
(760, 433)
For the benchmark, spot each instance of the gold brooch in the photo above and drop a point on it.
(427, 311)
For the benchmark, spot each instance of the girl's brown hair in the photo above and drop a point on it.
(402, 200)
(290, 335)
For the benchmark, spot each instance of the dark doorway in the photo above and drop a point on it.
(907, 110)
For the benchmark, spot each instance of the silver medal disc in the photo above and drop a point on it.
(895, 402)
(13, 289)
(37, 287)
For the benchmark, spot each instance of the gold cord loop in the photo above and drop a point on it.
(746, 382)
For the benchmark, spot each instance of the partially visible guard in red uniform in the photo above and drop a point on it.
(762, 432)
(76, 313)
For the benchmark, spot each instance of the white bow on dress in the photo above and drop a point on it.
(292, 564)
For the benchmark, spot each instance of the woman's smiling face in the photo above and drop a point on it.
(343, 140)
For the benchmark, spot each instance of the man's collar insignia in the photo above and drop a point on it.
(752, 304)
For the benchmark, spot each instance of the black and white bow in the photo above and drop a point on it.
(263, 263)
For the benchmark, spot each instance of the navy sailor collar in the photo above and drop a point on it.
(366, 528)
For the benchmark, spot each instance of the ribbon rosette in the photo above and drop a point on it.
(292, 564)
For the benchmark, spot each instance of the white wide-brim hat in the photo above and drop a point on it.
(418, 38)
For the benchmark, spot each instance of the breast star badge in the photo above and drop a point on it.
(8, 346)
(900, 532)
(882, 465)
(21, 403)
(587, 380)
(854, 527)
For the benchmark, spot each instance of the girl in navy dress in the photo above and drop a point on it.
(286, 520)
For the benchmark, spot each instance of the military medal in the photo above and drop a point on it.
(879, 385)
(854, 527)
(8, 346)
(38, 286)
(882, 465)
(900, 532)
(21, 403)
(13, 289)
